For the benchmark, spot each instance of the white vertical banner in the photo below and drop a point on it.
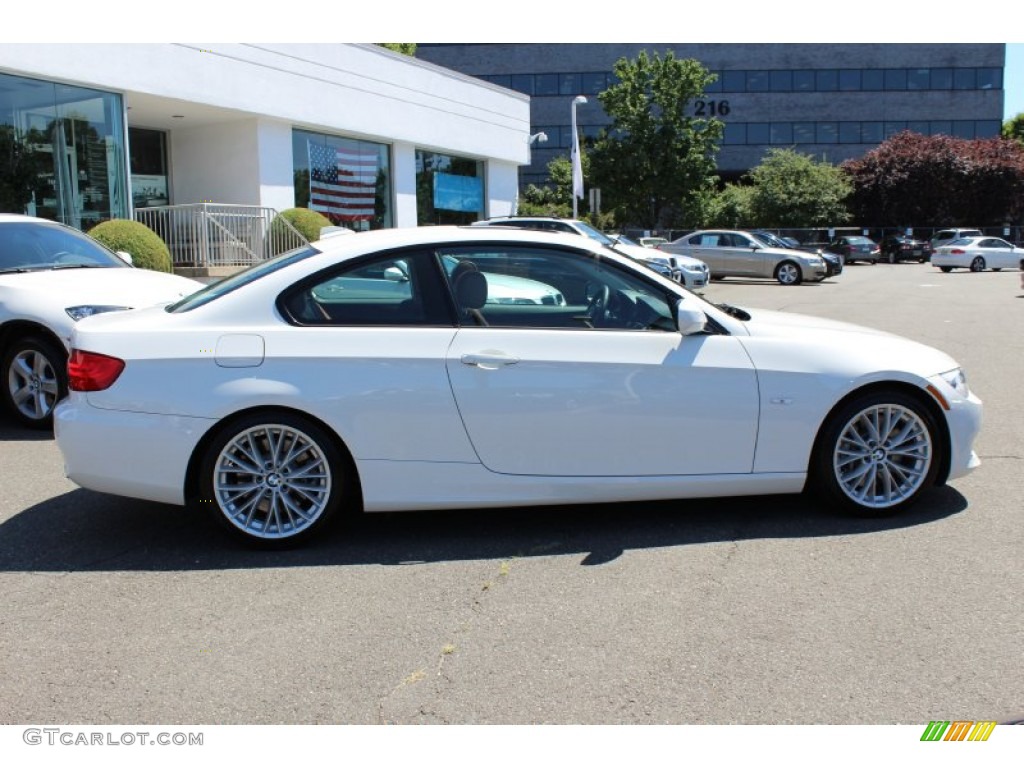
(577, 163)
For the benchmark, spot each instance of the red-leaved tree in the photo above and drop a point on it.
(940, 181)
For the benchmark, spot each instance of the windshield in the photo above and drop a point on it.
(858, 241)
(593, 234)
(28, 246)
(769, 239)
(228, 284)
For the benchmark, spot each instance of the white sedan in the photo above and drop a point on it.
(277, 399)
(977, 254)
(52, 276)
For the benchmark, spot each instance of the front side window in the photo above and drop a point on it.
(524, 286)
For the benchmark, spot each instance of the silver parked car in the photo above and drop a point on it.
(736, 253)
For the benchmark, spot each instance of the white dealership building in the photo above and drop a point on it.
(370, 137)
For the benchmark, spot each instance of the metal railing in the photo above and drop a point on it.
(204, 235)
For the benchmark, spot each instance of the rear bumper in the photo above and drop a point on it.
(140, 455)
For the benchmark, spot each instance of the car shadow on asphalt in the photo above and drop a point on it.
(84, 531)
(10, 432)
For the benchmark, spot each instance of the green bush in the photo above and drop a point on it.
(306, 221)
(147, 249)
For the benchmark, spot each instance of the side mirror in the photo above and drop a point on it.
(395, 275)
(124, 255)
(689, 321)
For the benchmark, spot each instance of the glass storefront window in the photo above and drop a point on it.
(147, 152)
(449, 189)
(61, 152)
(347, 180)
(918, 79)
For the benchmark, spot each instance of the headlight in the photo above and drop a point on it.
(956, 380)
(88, 310)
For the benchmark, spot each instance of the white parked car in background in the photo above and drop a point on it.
(977, 254)
(52, 276)
(276, 400)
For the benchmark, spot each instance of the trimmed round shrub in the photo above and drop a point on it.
(306, 221)
(147, 249)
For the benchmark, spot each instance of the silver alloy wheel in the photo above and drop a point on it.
(272, 481)
(788, 273)
(32, 384)
(978, 265)
(883, 456)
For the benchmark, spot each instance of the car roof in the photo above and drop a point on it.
(19, 217)
(401, 237)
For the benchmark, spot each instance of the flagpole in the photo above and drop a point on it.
(577, 162)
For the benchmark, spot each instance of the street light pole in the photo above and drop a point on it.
(577, 161)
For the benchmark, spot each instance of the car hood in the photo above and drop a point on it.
(776, 335)
(127, 286)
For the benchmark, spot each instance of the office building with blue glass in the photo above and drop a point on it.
(831, 101)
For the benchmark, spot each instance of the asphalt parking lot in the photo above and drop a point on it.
(770, 610)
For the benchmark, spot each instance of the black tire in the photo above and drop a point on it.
(946, 269)
(788, 273)
(978, 264)
(892, 257)
(34, 376)
(997, 269)
(279, 509)
(869, 478)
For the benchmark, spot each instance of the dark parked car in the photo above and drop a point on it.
(903, 248)
(855, 248)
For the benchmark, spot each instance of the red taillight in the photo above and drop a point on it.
(92, 372)
(958, 251)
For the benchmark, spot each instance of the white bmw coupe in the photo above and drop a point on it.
(372, 373)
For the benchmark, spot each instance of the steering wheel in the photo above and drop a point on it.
(597, 307)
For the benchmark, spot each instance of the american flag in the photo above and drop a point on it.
(342, 182)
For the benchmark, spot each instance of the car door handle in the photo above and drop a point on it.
(489, 360)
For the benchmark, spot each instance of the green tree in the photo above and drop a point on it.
(409, 49)
(656, 161)
(729, 208)
(789, 189)
(1014, 128)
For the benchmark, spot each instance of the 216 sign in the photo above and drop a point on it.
(703, 108)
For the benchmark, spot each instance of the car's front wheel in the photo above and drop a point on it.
(877, 454)
(35, 379)
(788, 273)
(274, 479)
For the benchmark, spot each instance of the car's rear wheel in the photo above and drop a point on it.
(892, 257)
(788, 273)
(946, 269)
(877, 454)
(35, 379)
(978, 264)
(274, 479)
